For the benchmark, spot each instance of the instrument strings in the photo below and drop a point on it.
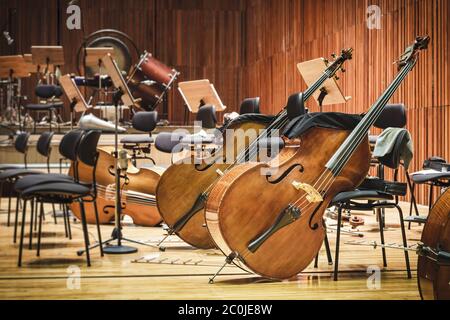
(252, 150)
(330, 176)
(132, 197)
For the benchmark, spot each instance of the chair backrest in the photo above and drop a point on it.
(46, 91)
(145, 121)
(44, 144)
(207, 116)
(166, 141)
(393, 158)
(87, 150)
(295, 106)
(393, 116)
(69, 144)
(250, 105)
(21, 142)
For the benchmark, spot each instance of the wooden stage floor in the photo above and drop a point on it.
(60, 274)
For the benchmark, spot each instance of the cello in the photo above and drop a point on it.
(433, 267)
(138, 199)
(184, 188)
(273, 225)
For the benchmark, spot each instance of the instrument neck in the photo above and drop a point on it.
(344, 153)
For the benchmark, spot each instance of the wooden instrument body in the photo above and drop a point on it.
(183, 183)
(243, 205)
(142, 181)
(434, 279)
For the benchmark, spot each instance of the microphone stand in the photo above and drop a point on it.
(117, 232)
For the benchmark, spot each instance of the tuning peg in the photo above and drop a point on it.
(326, 61)
(337, 78)
(333, 55)
(343, 70)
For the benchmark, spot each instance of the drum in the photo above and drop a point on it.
(156, 70)
(150, 92)
(149, 81)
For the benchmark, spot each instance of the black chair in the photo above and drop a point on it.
(437, 177)
(373, 195)
(141, 145)
(67, 192)
(49, 93)
(21, 146)
(393, 116)
(250, 106)
(68, 148)
(10, 176)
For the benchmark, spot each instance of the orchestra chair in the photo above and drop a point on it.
(140, 145)
(12, 175)
(250, 106)
(373, 195)
(68, 149)
(21, 146)
(439, 177)
(49, 93)
(66, 193)
(170, 143)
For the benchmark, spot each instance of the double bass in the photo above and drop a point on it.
(433, 267)
(184, 188)
(273, 225)
(137, 196)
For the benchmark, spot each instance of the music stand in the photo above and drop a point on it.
(28, 57)
(330, 92)
(77, 101)
(15, 67)
(47, 56)
(123, 93)
(197, 94)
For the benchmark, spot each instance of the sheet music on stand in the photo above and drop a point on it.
(330, 93)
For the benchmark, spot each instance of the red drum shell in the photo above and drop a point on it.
(155, 70)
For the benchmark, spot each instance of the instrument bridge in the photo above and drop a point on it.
(312, 195)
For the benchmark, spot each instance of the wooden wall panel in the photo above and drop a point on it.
(316, 28)
(251, 48)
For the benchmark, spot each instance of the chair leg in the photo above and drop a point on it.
(66, 230)
(430, 200)
(85, 232)
(338, 240)
(328, 250)
(16, 221)
(381, 225)
(54, 213)
(1, 193)
(30, 244)
(38, 253)
(9, 211)
(69, 229)
(98, 228)
(22, 233)
(405, 241)
(36, 207)
(316, 261)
